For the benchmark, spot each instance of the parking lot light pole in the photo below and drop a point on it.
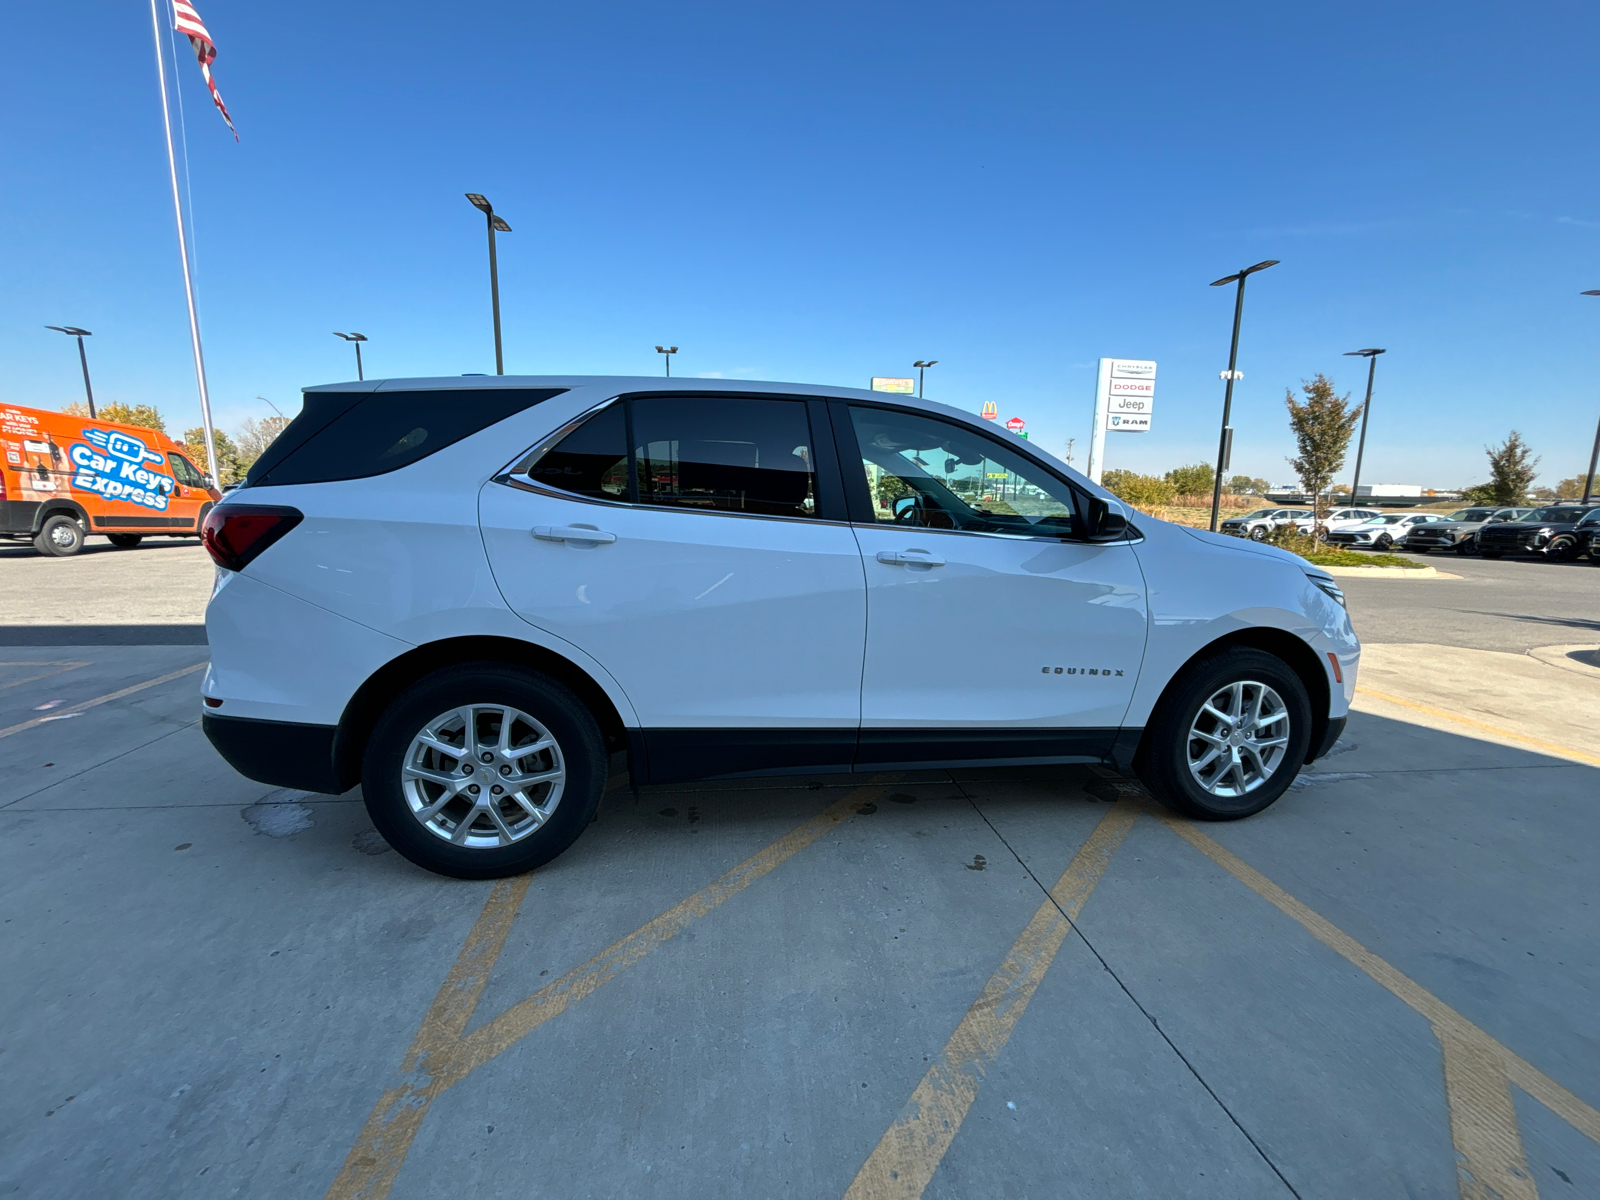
(83, 360)
(922, 366)
(1225, 438)
(1366, 410)
(496, 225)
(666, 353)
(357, 338)
(1594, 455)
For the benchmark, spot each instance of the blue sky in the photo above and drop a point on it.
(828, 191)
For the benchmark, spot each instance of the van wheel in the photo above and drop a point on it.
(1228, 737)
(480, 771)
(59, 537)
(125, 541)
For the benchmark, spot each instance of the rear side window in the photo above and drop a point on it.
(355, 435)
(725, 453)
(713, 453)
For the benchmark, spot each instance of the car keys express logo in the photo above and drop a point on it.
(114, 466)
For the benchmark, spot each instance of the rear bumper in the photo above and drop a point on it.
(282, 753)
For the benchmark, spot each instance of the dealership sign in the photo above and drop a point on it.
(1124, 401)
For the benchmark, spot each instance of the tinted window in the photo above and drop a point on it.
(185, 471)
(355, 435)
(592, 460)
(724, 453)
(927, 473)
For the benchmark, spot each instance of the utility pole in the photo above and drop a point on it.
(1366, 411)
(496, 225)
(1225, 440)
(83, 359)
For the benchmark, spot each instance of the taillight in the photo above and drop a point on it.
(235, 534)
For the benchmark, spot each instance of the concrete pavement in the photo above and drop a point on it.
(803, 988)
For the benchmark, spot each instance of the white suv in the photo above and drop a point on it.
(465, 594)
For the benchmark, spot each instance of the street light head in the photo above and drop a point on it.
(1229, 279)
(357, 337)
(480, 202)
(1596, 293)
(666, 349)
(1364, 353)
(70, 330)
(499, 224)
(920, 363)
(1261, 266)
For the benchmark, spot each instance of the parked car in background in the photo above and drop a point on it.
(1339, 518)
(1381, 533)
(1258, 525)
(65, 477)
(1459, 531)
(1587, 532)
(501, 582)
(1549, 532)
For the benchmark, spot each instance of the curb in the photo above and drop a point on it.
(1389, 572)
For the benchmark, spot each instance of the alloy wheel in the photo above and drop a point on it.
(483, 776)
(1238, 739)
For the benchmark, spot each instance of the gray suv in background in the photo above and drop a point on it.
(1459, 531)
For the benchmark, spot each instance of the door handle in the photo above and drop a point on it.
(573, 533)
(909, 558)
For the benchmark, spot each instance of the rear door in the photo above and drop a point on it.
(695, 545)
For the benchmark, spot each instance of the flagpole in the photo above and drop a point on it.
(183, 251)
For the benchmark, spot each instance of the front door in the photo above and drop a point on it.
(713, 590)
(994, 631)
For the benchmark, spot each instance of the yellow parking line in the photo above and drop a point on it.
(911, 1149)
(439, 1057)
(1478, 1070)
(61, 667)
(106, 699)
(1552, 748)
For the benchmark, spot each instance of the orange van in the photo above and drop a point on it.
(65, 477)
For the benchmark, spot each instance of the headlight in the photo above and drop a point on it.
(1328, 587)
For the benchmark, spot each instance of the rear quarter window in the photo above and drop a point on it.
(356, 435)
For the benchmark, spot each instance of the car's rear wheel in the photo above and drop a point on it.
(124, 541)
(481, 771)
(1228, 737)
(59, 537)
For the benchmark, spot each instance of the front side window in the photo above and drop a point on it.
(931, 474)
(185, 471)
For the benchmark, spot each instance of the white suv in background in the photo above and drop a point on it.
(464, 595)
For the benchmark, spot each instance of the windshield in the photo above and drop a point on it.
(1389, 519)
(1260, 512)
(1471, 514)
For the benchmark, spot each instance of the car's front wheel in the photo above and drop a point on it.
(481, 771)
(1228, 737)
(1563, 548)
(1259, 533)
(124, 541)
(1383, 541)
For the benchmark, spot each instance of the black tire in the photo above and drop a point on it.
(1562, 549)
(563, 715)
(124, 541)
(1163, 759)
(1259, 533)
(1383, 542)
(59, 537)
(1464, 548)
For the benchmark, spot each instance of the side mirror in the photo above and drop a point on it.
(1105, 525)
(904, 505)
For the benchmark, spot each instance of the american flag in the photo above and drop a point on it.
(188, 22)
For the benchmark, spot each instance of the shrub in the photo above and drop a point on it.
(1192, 480)
(1141, 491)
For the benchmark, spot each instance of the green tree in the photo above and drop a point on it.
(1196, 480)
(254, 437)
(1512, 467)
(1571, 489)
(146, 415)
(1321, 424)
(1141, 491)
(194, 441)
(890, 489)
(1244, 485)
